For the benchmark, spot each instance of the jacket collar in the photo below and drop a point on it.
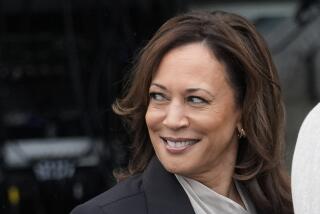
(164, 193)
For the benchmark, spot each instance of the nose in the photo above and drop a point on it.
(176, 117)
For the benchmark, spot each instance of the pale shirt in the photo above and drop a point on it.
(206, 201)
(305, 173)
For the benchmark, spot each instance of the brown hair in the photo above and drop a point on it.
(236, 43)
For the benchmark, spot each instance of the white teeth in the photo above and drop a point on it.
(179, 144)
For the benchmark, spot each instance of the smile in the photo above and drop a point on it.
(177, 145)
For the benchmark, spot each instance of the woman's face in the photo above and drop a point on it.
(192, 115)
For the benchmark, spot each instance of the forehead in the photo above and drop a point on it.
(192, 62)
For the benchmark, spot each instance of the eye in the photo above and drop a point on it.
(157, 96)
(196, 100)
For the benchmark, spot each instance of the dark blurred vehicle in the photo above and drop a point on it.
(52, 155)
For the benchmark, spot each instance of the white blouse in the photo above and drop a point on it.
(206, 201)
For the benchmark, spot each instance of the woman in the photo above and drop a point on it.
(206, 113)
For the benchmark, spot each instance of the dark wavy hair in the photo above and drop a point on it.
(236, 43)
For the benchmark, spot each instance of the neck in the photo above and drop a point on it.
(219, 180)
(222, 185)
(220, 177)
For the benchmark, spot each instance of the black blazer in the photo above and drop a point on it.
(155, 191)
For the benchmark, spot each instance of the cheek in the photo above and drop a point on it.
(220, 124)
(205, 122)
(153, 118)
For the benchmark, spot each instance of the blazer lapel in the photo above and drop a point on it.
(164, 193)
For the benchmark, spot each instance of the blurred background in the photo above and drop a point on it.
(62, 64)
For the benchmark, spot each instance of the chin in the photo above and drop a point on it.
(175, 167)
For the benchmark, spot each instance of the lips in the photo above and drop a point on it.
(177, 145)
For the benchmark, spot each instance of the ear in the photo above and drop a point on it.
(239, 120)
(239, 126)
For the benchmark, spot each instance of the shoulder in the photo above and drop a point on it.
(124, 197)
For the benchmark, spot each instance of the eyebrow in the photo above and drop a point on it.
(159, 86)
(189, 90)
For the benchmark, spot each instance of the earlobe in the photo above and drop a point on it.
(241, 131)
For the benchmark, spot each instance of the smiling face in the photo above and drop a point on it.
(192, 115)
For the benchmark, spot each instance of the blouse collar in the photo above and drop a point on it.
(205, 200)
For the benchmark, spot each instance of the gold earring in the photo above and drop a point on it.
(241, 133)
